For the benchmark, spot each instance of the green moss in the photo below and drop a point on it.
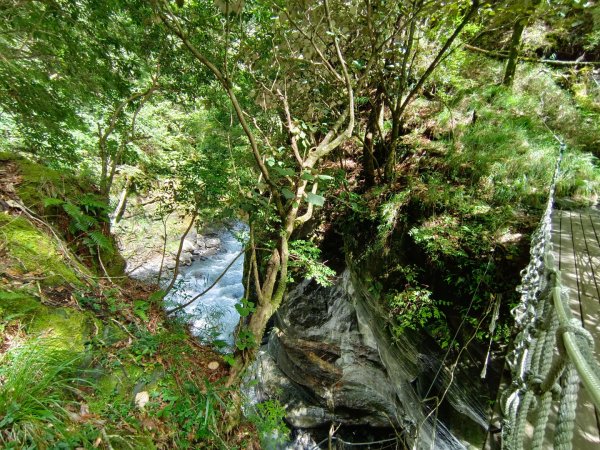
(14, 305)
(70, 328)
(32, 251)
(39, 182)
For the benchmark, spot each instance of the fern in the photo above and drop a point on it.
(79, 220)
(98, 240)
(92, 203)
(83, 221)
(52, 201)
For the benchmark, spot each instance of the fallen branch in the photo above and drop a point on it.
(72, 258)
(181, 242)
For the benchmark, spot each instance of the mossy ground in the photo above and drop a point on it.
(31, 254)
(81, 217)
(76, 348)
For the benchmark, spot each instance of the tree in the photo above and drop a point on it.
(523, 12)
(288, 175)
(402, 42)
(59, 59)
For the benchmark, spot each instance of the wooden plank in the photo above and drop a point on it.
(590, 220)
(576, 246)
(586, 431)
(591, 226)
(585, 272)
(568, 261)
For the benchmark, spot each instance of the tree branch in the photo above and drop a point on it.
(325, 146)
(226, 83)
(474, 7)
(196, 297)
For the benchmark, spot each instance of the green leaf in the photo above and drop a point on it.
(140, 308)
(285, 171)
(96, 238)
(51, 201)
(287, 193)
(315, 199)
(325, 177)
(307, 176)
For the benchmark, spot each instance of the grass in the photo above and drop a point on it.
(40, 382)
(508, 155)
(464, 208)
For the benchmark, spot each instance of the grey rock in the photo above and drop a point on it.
(185, 259)
(188, 246)
(330, 358)
(322, 367)
(212, 242)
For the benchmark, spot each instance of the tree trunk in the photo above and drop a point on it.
(513, 53)
(515, 42)
(368, 158)
(369, 143)
(267, 303)
(390, 163)
(120, 210)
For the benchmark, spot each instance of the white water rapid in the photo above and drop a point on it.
(214, 313)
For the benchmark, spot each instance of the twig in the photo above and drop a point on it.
(184, 305)
(65, 251)
(105, 436)
(123, 327)
(552, 62)
(182, 240)
(103, 267)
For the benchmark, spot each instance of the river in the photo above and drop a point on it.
(214, 316)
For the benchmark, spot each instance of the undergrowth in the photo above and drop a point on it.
(475, 179)
(40, 384)
(92, 362)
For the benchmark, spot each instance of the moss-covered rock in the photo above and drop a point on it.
(31, 251)
(72, 205)
(69, 328)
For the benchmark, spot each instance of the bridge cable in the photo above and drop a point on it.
(544, 321)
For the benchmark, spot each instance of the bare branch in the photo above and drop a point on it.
(290, 126)
(311, 39)
(309, 211)
(327, 146)
(173, 25)
(440, 55)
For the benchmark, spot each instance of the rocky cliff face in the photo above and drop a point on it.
(330, 359)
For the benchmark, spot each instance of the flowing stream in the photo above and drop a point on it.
(215, 318)
(215, 315)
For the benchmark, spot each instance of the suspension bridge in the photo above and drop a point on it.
(552, 400)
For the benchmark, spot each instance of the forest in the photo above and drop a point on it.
(247, 224)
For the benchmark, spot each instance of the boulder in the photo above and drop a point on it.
(189, 246)
(322, 368)
(330, 359)
(185, 259)
(207, 244)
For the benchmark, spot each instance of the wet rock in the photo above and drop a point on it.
(207, 244)
(212, 242)
(185, 259)
(188, 246)
(321, 365)
(330, 358)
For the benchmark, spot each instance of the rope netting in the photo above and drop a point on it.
(541, 376)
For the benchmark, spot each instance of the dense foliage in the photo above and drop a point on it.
(425, 133)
